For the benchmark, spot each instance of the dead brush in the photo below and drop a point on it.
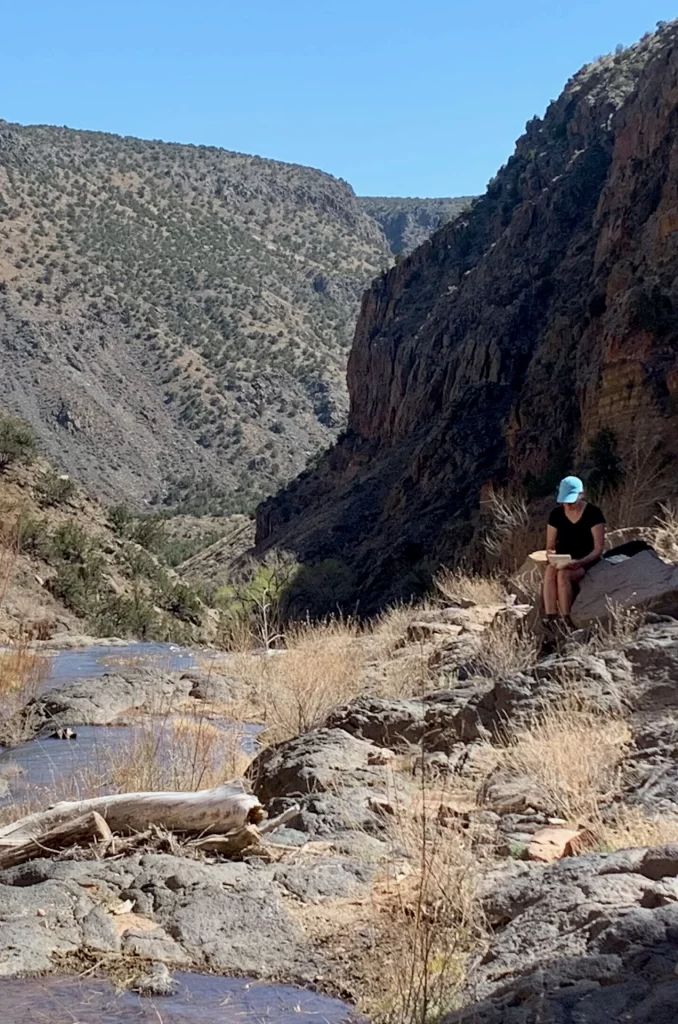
(427, 919)
(644, 484)
(294, 689)
(22, 674)
(389, 629)
(571, 756)
(508, 646)
(618, 629)
(509, 533)
(460, 587)
(631, 826)
(178, 752)
(665, 534)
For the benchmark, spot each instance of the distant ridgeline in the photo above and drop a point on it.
(175, 320)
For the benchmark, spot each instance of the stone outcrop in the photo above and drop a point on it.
(502, 347)
(643, 581)
(592, 939)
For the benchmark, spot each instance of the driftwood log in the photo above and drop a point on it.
(208, 811)
(80, 831)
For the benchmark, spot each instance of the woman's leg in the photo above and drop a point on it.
(565, 579)
(550, 591)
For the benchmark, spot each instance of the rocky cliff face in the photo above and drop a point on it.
(407, 223)
(505, 344)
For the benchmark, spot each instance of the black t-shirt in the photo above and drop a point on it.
(576, 539)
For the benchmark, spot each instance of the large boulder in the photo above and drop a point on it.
(101, 700)
(642, 581)
(591, 940)
(227, 918)
(386, 722)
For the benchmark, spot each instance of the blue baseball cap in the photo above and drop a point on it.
(569, 490)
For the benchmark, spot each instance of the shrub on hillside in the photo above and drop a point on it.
(52, 489)
(17, 442)
(127, 616)
(121, 520)
(149, 532)
(33, 537)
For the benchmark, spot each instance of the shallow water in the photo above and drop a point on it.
(199, 998)
(89, 662)
(61, 764)
(66, 768)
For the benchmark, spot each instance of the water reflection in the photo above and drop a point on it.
(199, 998)
(90, 662)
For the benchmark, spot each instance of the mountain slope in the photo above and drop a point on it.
(540, 321)
(409, 222)
(175, 318)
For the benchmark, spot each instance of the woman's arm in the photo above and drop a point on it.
(551, 538)
(598, 532)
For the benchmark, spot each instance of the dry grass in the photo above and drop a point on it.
(618, 629)
(293, 690)
(571, 756)
(665, 534)
(180, 752)
(510, 532)
(632, 827)
(460, 587)
(507, 647)
(426, 919)
(22, 670)
(645, 482)
(236, 634)
(390, 628)
(408, 672)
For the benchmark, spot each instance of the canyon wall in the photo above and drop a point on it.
(498, 350)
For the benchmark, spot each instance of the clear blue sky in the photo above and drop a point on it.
(406, 97)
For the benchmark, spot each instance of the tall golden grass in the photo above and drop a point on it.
(178, 752)
(461, 587)
(508, 646)
(292, 690)
(22, 670)
(571, 757)
(665, 532)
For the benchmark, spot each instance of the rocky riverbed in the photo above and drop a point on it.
(589, 935)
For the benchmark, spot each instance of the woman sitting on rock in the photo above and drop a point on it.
(575, 528)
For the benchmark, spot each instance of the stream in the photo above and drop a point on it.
(88, 662)
(60, 765)
(207, 999)
(200, 999)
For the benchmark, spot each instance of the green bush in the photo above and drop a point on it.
(121, 519)
(149, 532)
(79, 583)
(34, 538)
(70, 542)
(52, 489)
(17, 442)
(128, 616)
(182, 601)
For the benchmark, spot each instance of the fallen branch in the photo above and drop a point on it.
(234, 842)
(76, 832)
(209, 811)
